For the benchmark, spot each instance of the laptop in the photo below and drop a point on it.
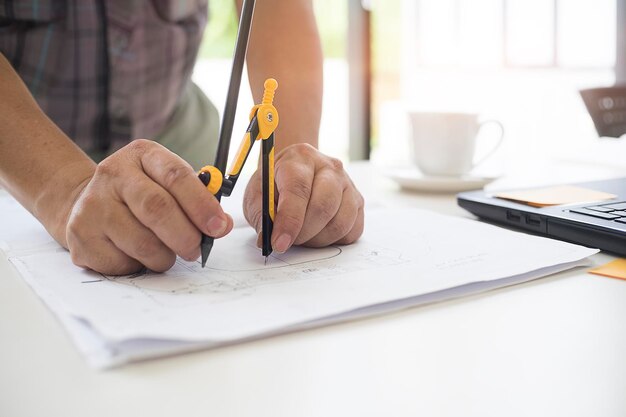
(600, 224)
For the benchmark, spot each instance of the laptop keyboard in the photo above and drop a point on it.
(612, 211)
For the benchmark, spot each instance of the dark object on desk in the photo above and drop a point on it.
(607, 107)
(600, 225)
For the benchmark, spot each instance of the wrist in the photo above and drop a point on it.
(54, 202)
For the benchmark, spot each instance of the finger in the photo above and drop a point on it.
(356, 232)
(252, 202)
(88, 246)
(178, 178)
(326, 199)
(156, 209)
(101, 255)
(294, 183)
(253, 206)
(341, 224)
(140, 243)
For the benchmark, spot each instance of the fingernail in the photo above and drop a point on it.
(282, 243)
(259, 240)
(217, 226)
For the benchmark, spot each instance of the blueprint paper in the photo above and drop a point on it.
(405, 258)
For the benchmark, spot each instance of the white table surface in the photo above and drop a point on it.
(553, 347)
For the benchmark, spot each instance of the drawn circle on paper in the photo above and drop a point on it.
(296, 256)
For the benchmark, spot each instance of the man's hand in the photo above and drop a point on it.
(143, 206)
(318, 205)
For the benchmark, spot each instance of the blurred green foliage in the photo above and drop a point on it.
(332, 21)
(386, 35)
(220, 34)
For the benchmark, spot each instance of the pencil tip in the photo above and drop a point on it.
(206, 250)
(266, 260)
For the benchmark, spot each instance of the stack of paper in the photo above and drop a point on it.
(405, 258)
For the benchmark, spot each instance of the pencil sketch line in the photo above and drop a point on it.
(265, 268)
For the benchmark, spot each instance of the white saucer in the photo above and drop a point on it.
(411, 179)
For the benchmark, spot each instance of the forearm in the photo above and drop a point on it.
(39, 165)
(285, 45)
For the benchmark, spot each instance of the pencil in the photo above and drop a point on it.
(268, 194)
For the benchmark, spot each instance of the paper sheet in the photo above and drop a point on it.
(615, 269)
(406, 257)
(554, 196)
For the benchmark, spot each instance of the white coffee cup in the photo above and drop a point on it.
(444, 144)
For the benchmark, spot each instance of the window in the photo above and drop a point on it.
(515, 33)
(519, 61)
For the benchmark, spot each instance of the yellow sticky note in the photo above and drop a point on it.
(615, 269)
(554, 196)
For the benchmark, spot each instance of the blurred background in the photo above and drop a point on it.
(521, 62)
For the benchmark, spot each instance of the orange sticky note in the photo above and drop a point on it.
(554, 196)
(615, 269)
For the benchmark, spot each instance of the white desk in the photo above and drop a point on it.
(553, 347)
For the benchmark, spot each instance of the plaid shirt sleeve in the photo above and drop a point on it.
(105, 71)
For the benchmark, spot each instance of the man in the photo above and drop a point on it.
(103, 72)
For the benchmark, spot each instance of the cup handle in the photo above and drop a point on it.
(496, 146)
